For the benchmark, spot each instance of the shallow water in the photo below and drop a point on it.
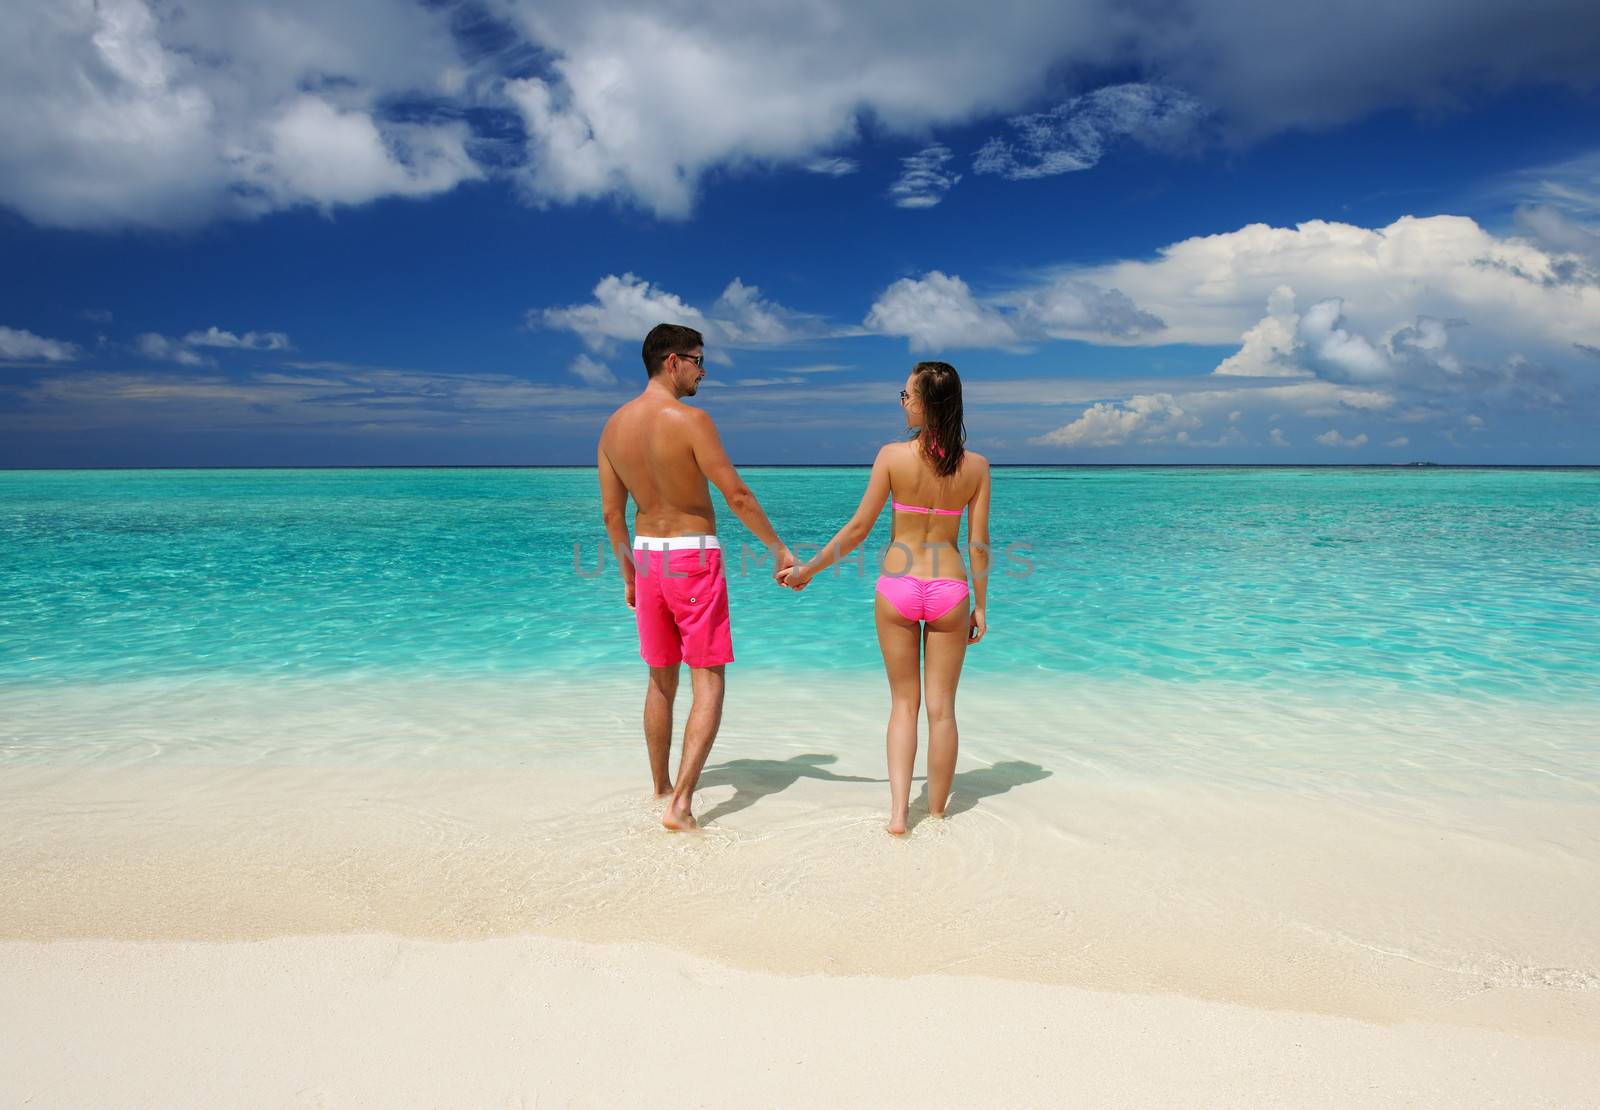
(1234, 850)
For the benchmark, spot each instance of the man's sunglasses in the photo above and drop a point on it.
(698, 360)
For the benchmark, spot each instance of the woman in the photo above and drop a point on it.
(926, 616)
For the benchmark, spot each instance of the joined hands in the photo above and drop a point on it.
(795, 577)
(786, 572)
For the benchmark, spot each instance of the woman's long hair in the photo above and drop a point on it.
(944, 432)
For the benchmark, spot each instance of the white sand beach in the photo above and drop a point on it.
(1163, 898)
(372, 1021)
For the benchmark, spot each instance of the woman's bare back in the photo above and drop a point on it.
(929, 541)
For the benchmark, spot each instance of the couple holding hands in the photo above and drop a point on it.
(665, 455)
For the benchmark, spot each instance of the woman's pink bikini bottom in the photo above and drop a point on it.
(922, 599)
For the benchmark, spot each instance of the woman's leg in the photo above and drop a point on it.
(945, 644)
(900, 640)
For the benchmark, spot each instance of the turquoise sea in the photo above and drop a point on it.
(1448, 580)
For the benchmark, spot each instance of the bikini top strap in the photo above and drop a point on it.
(925, 510)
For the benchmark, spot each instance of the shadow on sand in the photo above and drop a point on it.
(754, 779)
(971, 787)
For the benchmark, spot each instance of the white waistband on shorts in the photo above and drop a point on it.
(674, 543)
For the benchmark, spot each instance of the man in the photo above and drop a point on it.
(662, 451)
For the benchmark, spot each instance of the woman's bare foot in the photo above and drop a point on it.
(679, 820)
(896, 826)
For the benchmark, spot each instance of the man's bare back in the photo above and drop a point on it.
(650, 445)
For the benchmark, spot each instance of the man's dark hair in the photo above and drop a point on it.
(668, 339)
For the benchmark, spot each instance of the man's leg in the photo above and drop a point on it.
(658, 701)
(705, 715)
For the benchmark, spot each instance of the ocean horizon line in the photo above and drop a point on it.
(1420, 465)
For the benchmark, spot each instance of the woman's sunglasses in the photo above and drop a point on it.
(904, 396)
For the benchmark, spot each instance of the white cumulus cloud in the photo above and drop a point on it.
(1142, 417)
(1437, 302)
(120, 112)
(312, 152)
(1071, 308)
(1210, 289)
(1343, 355)
(742, 317)
(1415, 356)
(1181, 415)
(24, 346)
(626, 307)
(1269, 349)
(939, 310)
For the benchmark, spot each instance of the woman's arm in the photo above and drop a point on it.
(978, 547)
(856, 529)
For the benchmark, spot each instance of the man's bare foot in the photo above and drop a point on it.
(667, 793)
(679, 820)
(938, 816)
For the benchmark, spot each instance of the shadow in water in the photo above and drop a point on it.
(971, 787)
(754, 779)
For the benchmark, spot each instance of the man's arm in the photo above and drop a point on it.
(614, 511)
(714, 463)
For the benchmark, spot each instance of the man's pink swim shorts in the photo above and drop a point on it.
(681, 601)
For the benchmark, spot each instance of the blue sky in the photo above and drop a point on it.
(243, 234)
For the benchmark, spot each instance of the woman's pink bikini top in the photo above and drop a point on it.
(924, 510)
(934, 443)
